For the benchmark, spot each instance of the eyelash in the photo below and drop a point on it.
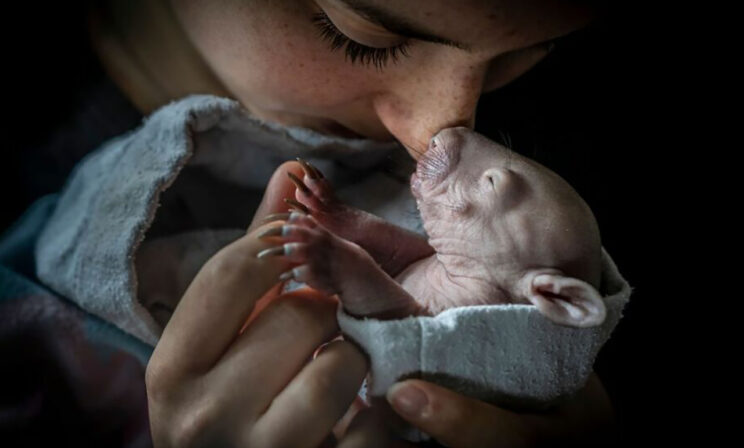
(354, 50)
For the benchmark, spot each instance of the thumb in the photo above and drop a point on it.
(278, 188)
(455, 420)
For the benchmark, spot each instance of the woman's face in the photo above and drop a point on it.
(418, 65)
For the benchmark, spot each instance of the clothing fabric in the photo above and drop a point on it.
(509, 355)
(189, 178)
(67, 377)
(139, 216)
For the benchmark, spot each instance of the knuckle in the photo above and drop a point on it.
(194, 428)
(159, 381)
(226, 264)
(221, 265)
(316, 390)
(176, 421)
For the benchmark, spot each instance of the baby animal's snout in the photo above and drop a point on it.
(451, 137)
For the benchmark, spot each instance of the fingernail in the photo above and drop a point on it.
(298, 183)
(296, 205)
(278, 250)
(407, 400)
(273, 231)
(274, 217)
(317, 171)
(295, 215)
(320, 349)
(286, 275)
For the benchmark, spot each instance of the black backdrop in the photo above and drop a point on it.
(587, 111)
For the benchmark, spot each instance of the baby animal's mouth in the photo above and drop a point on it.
(433, 168)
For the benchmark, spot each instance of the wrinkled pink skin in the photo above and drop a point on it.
(502, 229)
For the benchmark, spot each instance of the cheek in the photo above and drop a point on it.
(271, 56)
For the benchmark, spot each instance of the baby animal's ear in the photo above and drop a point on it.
(566, 300)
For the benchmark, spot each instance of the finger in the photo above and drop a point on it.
(369, 430)
(296, 205)
(299, 183)
(455, 420)
(290, 233)
(303, 273)
(211, 305)
(302, 219)
(271, 217)
(314, 400)
(278, 188)
(216, 304)
(296, 217)
(366, 430)
(295, 252)
(276, 345)
(343, 423)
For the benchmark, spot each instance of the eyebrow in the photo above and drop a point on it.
(398, 25)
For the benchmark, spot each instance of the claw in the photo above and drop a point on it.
(317, 171)
(295, 215)
(275, 217)
(274, 231)
(310, 170)
(298, 183)
(277, 250)
(296, 205)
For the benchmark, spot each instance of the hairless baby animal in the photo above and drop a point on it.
(501, 229)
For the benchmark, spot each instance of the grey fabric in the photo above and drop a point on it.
(508, 353)
(171, 193)
(196, 167)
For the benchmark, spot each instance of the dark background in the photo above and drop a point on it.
(592, 112)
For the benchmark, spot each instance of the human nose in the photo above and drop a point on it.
(438, 95)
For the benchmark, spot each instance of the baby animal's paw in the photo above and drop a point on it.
(314, 194)
(320, 255)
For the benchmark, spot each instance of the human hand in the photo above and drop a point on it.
(457, 421)
(209, 383)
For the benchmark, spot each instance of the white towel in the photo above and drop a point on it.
(188, 182)
(189, 179)
(510, 355)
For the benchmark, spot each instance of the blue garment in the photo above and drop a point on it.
(67, 375)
